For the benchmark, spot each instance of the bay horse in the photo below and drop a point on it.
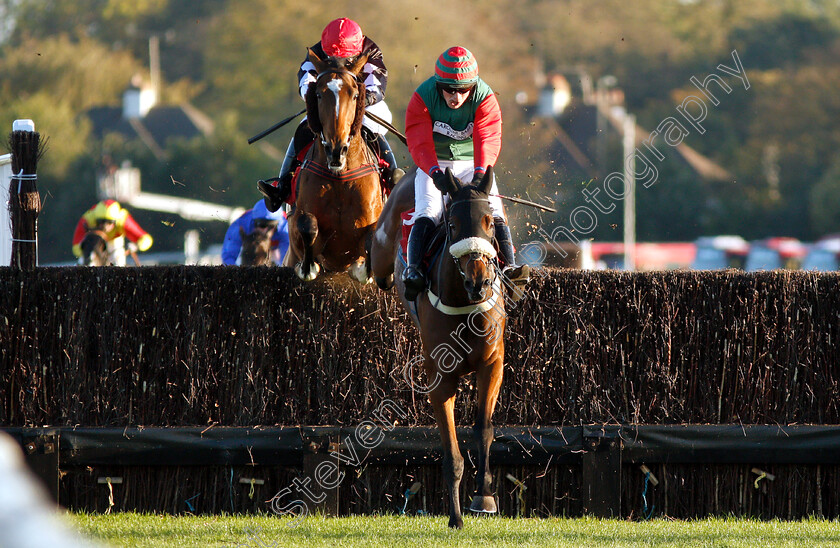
(256, 248)
(339, 196)
(95, 249)
(461, 318)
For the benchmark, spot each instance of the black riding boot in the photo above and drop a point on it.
(392, 173)
(277, 189)
(516, 273)
(413, 276)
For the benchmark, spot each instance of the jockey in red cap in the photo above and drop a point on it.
(453, 120)
(341, 38)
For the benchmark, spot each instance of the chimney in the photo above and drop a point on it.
(138, 100)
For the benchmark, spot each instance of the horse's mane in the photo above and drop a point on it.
(311, 98)
(312, 117)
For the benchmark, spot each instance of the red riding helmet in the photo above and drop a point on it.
(342, 38)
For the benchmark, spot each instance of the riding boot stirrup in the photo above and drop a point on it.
(413, 277)
(518, 274)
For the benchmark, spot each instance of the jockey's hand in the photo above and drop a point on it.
(132, 247)
(370, 98)
(439, 180)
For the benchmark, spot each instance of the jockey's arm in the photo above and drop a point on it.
(135, 233)
(375, 74)
(418, 133)
(78, 236)
(487, 133)
(233, 242)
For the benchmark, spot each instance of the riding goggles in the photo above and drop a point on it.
(451, 89)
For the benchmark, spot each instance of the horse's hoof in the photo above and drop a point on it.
(307, 276)
(482, 504)
(455, 522)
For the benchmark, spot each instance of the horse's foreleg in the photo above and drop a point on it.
(443, 403)
(360, 269)
(488, 383)
(307, 225)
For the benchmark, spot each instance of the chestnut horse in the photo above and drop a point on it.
(339, 196)
(461, 318)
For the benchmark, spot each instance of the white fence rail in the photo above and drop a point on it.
(5, 219)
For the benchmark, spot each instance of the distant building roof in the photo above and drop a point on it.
(155, 128)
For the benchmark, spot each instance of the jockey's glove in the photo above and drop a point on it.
(370, 98)
(439, 179)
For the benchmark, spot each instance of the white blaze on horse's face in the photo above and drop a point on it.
(338, 150)
(335, 87)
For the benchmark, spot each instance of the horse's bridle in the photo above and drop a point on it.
(341, 72)
(489, 262)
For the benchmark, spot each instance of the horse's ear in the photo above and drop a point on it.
(453, 185)
(486, 181)
(358, 64)
(315, 60)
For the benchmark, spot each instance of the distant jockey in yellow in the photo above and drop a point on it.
(117, 224)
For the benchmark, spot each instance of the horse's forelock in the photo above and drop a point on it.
(474, 206)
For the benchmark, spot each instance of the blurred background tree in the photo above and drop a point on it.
(237, 63)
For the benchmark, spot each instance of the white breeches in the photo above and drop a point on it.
(381, 110)
(428, 201)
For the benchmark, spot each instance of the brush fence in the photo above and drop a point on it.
(243, 348)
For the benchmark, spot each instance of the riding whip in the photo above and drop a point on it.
(526, 202)
(274, 128)
(387, 126)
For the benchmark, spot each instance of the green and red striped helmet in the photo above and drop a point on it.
(456, 68)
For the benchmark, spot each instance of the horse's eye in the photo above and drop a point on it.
(318, 95)
(355, 97)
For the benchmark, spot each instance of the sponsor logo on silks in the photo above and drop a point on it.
(446, 129)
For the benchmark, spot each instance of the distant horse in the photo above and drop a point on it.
(95, 249)
(339, 196)
(256, 248)
(461, 318)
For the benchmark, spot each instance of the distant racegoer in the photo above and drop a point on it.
(257, 219)
(117, 224)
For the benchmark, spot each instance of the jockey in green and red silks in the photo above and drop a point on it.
(453, 120)
(341, 38)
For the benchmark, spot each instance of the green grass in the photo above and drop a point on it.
(398, 532)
